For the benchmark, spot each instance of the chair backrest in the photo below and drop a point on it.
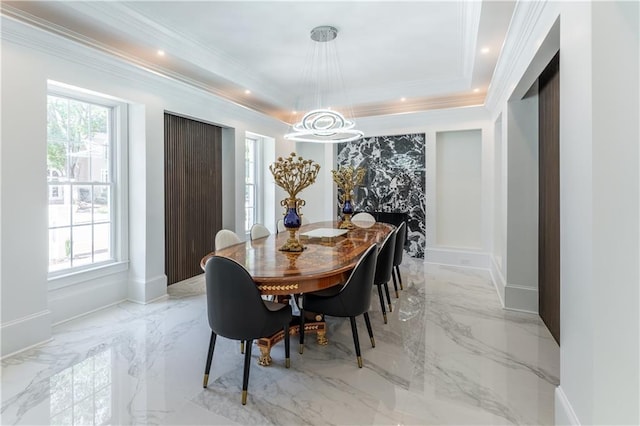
(234, 306)
(384, 266)
(363, 217)
(258, 230)
(355, 294)
(226, 238)
(401, 237)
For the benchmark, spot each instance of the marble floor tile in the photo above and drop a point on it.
(449, 355)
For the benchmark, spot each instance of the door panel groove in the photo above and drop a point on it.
(193, 196)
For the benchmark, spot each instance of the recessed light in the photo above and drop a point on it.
(247, 92)
(476, 90)
(160, 52)
(403, 99)
(485, 50)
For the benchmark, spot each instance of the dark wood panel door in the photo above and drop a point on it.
(549, 203)
(193, 194)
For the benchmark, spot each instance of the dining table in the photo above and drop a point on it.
(329, 256)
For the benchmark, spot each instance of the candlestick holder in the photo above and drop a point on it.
(293, 174)
(347, 178)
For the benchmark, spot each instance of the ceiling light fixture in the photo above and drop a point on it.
(321, 123)
(485, 50)
(160, 52)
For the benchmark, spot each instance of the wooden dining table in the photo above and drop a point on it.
(326, 261)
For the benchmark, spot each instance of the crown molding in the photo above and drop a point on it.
(519, 36)
(131, 21)
(31, 36)
(36, 33)
(92, 58)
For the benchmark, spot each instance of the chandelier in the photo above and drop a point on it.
(321, 123)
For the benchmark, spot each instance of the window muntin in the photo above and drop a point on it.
(81, 141)
(252, 182)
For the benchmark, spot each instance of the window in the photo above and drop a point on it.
(253, 170)
(82, 142)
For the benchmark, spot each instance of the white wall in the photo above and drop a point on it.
(29, 59)
(616, 209)
(499, 238)
(599, 194)
(458, 195)
(521, 291)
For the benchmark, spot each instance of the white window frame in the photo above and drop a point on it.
(119, 210)
(257, 174)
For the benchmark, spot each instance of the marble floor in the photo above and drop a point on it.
(449, 355)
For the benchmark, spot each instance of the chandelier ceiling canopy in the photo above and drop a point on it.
(321, 123)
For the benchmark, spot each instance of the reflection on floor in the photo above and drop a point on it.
(449, 355)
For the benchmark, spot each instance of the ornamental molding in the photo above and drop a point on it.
(518, 42)
(41, 36)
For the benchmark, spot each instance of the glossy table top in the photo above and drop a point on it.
(323, 263)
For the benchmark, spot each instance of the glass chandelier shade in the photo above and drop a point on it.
(321, 123)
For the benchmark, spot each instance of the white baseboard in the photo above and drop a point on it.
(474, 259)
(25, 332)
(146, 291)
(564, 414)
(513, 297)
(76, 300)
(521, 298)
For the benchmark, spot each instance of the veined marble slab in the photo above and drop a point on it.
(449, 355)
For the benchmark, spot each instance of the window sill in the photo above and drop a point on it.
(77, 277)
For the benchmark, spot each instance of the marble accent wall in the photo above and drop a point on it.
(394, 180)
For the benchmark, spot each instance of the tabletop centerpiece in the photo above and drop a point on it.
(347, 178)
(293, 174)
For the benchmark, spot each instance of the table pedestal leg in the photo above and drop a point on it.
(321, 337)
(265, 356)
(317, 325)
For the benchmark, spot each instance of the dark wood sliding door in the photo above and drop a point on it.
(549, 203)
(193, 194)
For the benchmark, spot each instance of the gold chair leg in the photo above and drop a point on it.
(242, 346)
(244, 397)
(359, 362)
(205, 381)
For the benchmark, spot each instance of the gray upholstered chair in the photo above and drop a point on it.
(384, 266)
(258, 230)
(351, 299)
(401, 236)
(236, 311)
